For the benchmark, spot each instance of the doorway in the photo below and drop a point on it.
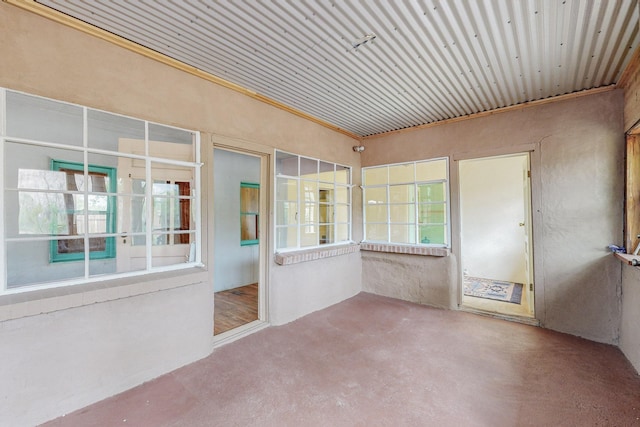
(238, 239)
(495, 223)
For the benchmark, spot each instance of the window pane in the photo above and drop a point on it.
(286, 237)
(375, 195)
(327, 173)
(402, 213)
(28, 264)
(286, 189)
(431, 170)
(325, 193)
(105, 130)
(431, 192)
(342, 194)
(309, 236)
(376, 213)
(308, 191)
(402, 193)
(343, 174)
(326, 234)
(432, 213)
(403, 233)
(401, 173)
(342, 232)
(40, 119)
(325, 213)
(29, 166)
(377, 232)
(434, 234)
(286, 213)
(37, 214)
(342, 213)
(308, 168)
(375, 176)
(286, 164)
(309, 214)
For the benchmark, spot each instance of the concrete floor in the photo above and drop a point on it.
(375, 361)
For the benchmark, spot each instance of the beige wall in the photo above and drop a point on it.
(79, 350)
(629, 330)
(577, 184)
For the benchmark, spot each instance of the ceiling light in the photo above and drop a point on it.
(362, 40)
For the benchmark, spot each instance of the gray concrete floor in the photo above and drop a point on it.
(375, 361)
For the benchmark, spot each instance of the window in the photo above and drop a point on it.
(90, 195)
(249, 213)
(313, 202)
(100, 211)
(407, 203)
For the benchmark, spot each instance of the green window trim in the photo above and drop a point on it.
(246, 213)
(110, 244)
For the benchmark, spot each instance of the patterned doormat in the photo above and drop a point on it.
(493, 289)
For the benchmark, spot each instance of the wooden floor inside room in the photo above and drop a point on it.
(235, 307)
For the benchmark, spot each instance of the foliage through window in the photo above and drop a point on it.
(313, 202)
(407, 203)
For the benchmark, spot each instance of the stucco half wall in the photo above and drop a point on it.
(577, 184)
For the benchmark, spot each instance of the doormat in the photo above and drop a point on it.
(493, 289)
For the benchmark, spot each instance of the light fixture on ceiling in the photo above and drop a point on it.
(363, 40)
(358, 148)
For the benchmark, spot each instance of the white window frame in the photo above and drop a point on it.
(195, 259)
(299, 226)
(415, 203)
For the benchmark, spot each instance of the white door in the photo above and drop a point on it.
(495, 220)
(172, 217)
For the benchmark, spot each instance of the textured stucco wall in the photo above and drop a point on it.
(629, 325)
(577, 183)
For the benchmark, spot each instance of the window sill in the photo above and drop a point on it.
(405, 249)
(296, 257)
(32, 303)
(629, 259)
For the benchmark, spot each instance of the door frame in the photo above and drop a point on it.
(265, 154)
(536, 243)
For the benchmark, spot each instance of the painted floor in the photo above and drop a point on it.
(376, 361)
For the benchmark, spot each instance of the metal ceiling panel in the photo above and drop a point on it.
(430, 60)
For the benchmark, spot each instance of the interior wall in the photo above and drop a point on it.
(578, 189)
(52, 60)
(629, 331)
(233, 265)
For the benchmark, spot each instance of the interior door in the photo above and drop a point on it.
(495, 225)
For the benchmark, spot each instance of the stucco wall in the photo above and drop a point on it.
(577, 182)
(48, 59)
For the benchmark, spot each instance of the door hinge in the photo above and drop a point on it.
(528, 174)
(531, 287)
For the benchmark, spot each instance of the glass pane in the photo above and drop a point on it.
(402, 213)
(376, 232)
(432, 213)
(286, 189)
(375, 195)
(375, 176)
(308, 236)
(432, 192)
(327, 173)
(342, 232)
(99, 267)
(28, 263)
(29, 166)
(309, 214)
(401, 173)
(308, 191)
(42, 119)
(342, 194)
(431, 170)
(179, 254)
(343, 174)
(105, 130)
(286, 213)
(376, 213)
(308, 168)
(326, 234)
(403, 233)
(433, 234)
(286, 164)
(32, 213)
(286, 237)
(165, 213)
(325, 213)
(325, 193)
(342, 213)
(402, 193)
(171, 143)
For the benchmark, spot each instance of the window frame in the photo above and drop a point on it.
(85, 150)
(111, 213)
(300, 204)
(416, 204)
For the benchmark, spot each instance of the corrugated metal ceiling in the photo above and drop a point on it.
(430, 61)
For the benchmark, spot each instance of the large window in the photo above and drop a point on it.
(313, 202)
(407, 203)
(90, 195)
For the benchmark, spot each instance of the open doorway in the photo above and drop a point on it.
(237, 242)
(495, 220)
